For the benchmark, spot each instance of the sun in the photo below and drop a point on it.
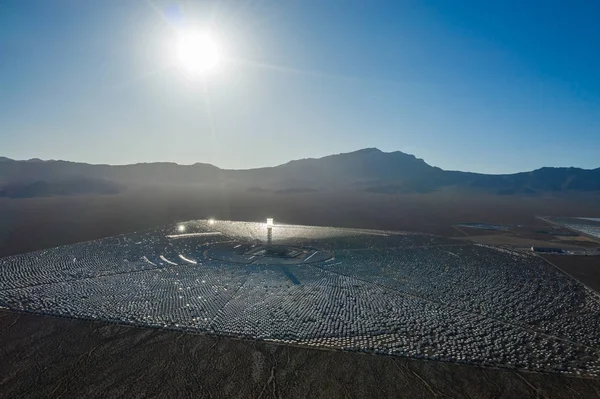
(197, 53)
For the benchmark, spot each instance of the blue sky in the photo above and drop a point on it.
(493, 87)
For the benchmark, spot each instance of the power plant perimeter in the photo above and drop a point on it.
(372, 291)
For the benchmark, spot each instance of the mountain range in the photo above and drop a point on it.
(369, 170)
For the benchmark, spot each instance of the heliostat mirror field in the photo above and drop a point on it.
(361, 290)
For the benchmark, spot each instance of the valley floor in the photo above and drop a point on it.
(54, 357)
(45, 356)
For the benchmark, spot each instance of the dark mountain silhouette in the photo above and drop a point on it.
(368, 170)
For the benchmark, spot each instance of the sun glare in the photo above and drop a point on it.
(197, 53)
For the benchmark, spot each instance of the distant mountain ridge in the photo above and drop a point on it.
(368, 170)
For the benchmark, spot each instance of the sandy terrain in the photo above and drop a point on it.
(584, 268)
(54, 357)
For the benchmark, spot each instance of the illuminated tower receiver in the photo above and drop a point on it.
(269, 230)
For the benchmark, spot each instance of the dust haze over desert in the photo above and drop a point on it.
(299, 199)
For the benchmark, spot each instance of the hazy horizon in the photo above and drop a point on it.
(489, 88)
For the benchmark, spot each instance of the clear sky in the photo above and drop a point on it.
(485, 86)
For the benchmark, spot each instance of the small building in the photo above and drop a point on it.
(548, 250)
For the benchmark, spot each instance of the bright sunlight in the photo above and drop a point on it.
(197, 53)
